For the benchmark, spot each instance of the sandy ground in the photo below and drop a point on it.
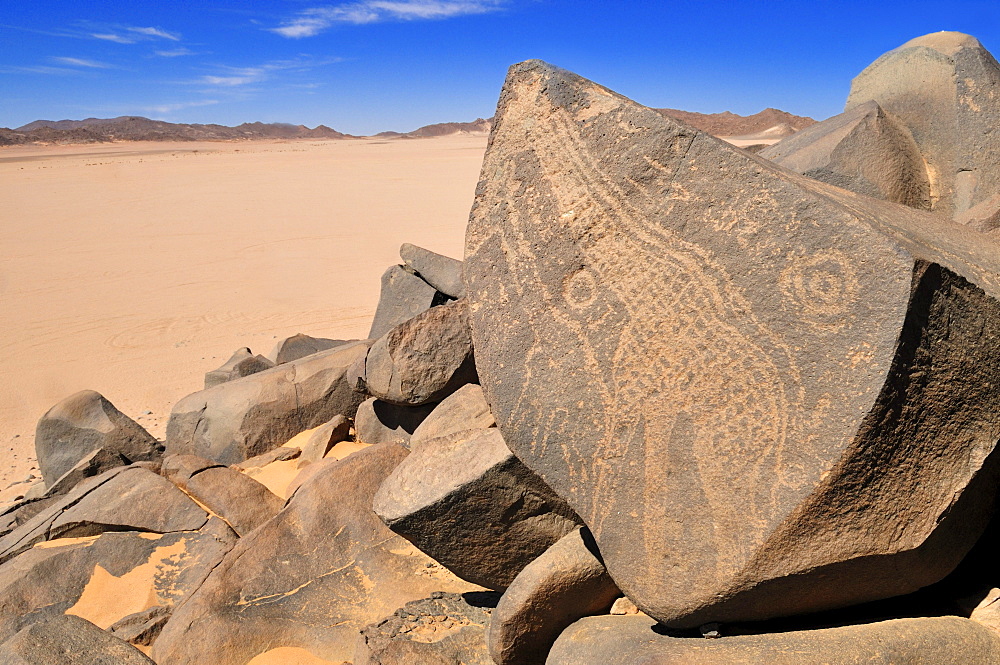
(132, 269)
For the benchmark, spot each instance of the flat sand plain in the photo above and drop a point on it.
(133, 268)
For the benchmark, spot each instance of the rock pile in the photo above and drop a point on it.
(675, 391)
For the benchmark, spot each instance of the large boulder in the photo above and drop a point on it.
(422, 360)
(85, 422)
(240, 419)
(763, 394)
(68, 640)
(311, 578)
(299, 346)
(945, 89)
(441, 272)
(464, 409)
(382, 422)
(403, 296)
(468, 502)
(863, 150)
(242, 363)
(637, 640)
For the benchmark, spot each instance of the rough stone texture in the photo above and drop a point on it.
(240, 419)
(68, 640)
(242, 363)
(763, 394)
(424, 359)
(468, 502)
(445, 629)
(83, 423)
(567, 582)
(143, 627)
(635, 640)
(863, 150)
(312, 577)
(150, 570)
(280, 454)
(464, 409)
(299, 346)
(403, 296)
(381, 422)
(93, 464)
(945, 88)
(241, 501)
(126, 499)
(441, 272)
(324, 437)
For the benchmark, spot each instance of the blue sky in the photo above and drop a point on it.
(371, 65)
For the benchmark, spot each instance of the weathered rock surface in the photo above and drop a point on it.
(403, 296)
(300, 346)
(108, 578)
(441, 272)
(382, 422)
(464, 409)
(93, 464)
(326, 436)
(635, 640)
(85, 422)
(943, 87)
(445, 629)
(241, 501)
(567, 582)
(424, 359)
(863, 150)
(246, 417)
(68, 640)
(469, 503)
(242, 363)
(143, 627)
(312, 577)
(763, 394)
(126, 499)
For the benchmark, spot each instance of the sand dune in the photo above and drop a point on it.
(133, 268)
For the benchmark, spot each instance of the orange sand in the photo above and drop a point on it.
(133, 269)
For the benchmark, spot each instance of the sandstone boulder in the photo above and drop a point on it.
(85, 422)
(763, 394)
(311, 578)
(321, 439)
(469, 503)
(91, 465)
(299, 346)
(422, 360)
(68, 640)
(567, 582)
(441, 272)
(246, 417)
(863, 150)
(242, 363)
(464, 409)
(382, 422)
(403, 296)
(637, 640)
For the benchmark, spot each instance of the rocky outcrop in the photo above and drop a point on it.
(299, 346)
(242, 363)
(441, 272)
(403, 296)
(68, 640)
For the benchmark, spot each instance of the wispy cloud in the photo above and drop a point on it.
(156, 32)
(179, 106)
(133, 34)
(174, 53)
(112, 37)
(80, 62)
(317, 19)
(232, 77)
(40, 69)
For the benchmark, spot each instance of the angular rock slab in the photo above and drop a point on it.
(240, 419)
(863, 150)
(382, 422)
(943, 87)
(635, 640)
(763, 394)
(464, 409)
(242, 363)
(299, 346)
(403, 296)
(469, 503)
(442, 272)
(85, 422)
(311, 578)
(68, 640)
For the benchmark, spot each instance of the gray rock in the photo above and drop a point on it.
(403, 296)
(441, 272)
(325, 437)
(280, 454)
(83, 423)
(299, 346)
(141, 628)
(93, 464)
(240, 419)
(382, 422)
(445, 629)
(424, 359)
(469, 503)
(242, 363)
(763, 394)
(68, 640)
(567, 582)
(312, 577)
(464, 409)
(863, 150)
(637, 640)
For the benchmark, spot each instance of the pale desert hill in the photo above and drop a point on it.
(731, 124)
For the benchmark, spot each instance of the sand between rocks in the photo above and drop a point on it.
(133, 268)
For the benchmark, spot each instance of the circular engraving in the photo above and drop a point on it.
(822, 287)
(580, 288)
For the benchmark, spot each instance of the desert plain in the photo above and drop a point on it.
(133, 268)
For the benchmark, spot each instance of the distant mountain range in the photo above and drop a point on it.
(136, 128)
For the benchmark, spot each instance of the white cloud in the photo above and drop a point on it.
(155, 32)
(80, 62)
(317, 19)
(111, 37)
(170, 108)
(231, 77)
(174, 53)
